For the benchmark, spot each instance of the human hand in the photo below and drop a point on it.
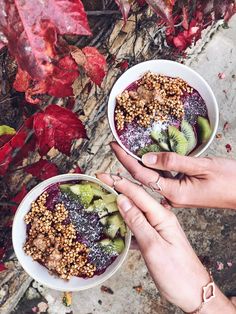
(172, 263)
(202, 182)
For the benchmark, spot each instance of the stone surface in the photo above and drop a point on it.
(211, 231)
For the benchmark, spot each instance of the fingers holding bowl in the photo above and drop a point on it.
(154, 212)
(163, 183)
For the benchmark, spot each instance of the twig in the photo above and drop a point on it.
(8, 203)
(105, 12)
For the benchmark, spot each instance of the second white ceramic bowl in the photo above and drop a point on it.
(173, 69)
(39, 272)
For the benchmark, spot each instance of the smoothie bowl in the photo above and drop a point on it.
(162, 105)
(68, 234)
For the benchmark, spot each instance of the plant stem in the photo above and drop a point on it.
(105, 12)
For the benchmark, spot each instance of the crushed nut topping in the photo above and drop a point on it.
(53, 243)
(156, 98)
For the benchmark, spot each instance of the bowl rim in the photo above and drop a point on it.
(183, 66)
(74, 176)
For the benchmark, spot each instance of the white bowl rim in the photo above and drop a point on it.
(74, 176)
(135, 67)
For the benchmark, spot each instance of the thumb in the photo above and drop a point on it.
(174, 162)
(136, 221)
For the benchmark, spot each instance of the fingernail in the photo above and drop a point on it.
(123, 203)
(150, 159)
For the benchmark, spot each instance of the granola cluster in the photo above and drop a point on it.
(52, 242)
(156, 98)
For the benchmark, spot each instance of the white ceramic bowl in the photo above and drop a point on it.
(173, 69)
(39, 272)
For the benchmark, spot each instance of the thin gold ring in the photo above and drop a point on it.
(155, 186)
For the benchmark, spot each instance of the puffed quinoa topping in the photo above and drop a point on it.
(156, 98)
(53, 243)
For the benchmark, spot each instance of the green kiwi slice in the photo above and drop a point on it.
(189, 134)
(152, 148)
(178, 142)
(205, 130)
(161, 138)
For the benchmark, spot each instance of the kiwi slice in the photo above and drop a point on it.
(152, 148)
(112, 207)
(123, 229)
(205, 130)
(109, 198)
(114, 223)
(103, 220)
(189, 134)
(116, 246)
(161, 138)
(65, 188)
(178, 142)
(84, 192)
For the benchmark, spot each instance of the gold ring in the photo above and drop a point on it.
(155, 186)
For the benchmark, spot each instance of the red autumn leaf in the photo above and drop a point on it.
(8, 150)
(58, 84)
(77, 170)
(124, 7)
(163, 8)
(57, 127)
(42, 169)
(63, 77)
(187, 37)
(228, 148)
(2, 267)
(180, 41)
(123, 65)
(92, 61)
(226, 126)
(18, 198)
(22, 81)
(221, 75)
(31, 29)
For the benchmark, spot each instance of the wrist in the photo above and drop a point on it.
(220, 304)
(209, 299)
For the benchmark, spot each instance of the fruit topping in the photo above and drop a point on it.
(189, 134)
(178, 142)
(205, 130)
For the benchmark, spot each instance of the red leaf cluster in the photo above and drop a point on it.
(32, 28)
(43, 169)
(58, 84)
(93, 63)
(163, 8)
(187, 37)
(55, 127)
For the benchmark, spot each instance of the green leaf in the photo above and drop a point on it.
(6, 130)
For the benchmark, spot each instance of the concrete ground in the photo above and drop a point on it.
(211, 232)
